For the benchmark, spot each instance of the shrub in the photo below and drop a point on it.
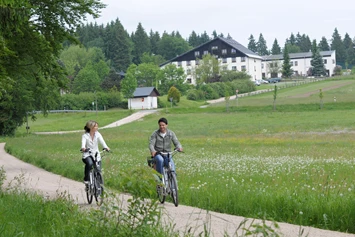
(337, 70)
(174, 93)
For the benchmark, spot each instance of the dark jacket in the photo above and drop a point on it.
(157, 143)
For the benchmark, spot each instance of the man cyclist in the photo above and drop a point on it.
(160, 141)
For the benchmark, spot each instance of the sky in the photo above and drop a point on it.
(273, 18)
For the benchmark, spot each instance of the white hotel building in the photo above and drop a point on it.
(231, 54)
(300, 63)
(234, 56)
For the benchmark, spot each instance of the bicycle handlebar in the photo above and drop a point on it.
(169, 153)
(89, 150)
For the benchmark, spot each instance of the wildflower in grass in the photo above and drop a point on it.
(301, 212)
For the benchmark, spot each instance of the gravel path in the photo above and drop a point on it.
(184, 217)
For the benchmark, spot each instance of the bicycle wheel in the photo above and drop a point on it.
(160, 191)
(99, 188)
(173, 188)
(89, 191)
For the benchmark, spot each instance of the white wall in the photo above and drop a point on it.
(302, 65)
(252, 67)
(143, 103)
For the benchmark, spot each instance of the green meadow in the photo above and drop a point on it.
(294, 164)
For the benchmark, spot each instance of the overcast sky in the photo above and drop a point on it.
(273, 18)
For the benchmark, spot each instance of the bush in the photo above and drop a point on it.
(337, 70)
(174, 93)
(83, 101)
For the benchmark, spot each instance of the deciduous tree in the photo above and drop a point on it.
(32, 33)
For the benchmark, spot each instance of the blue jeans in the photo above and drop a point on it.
(159, 161)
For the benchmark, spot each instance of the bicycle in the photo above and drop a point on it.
(168, 185)
(95, 187)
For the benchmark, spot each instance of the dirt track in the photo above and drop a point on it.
(184, 217)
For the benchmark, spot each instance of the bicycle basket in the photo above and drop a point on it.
(151, 161)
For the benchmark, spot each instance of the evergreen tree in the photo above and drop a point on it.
(314, 46)
(169, 46)
(112, 80)
(338, 46)
(286, 66)
(318, 68)
(298, 40)
(275, 48)
(323, 44)
(154, 39)
(193, 40)
(214, 34)
(349, 48)
(261, 46)
(204, 38)
(291, 40)
(178, 35)
(141, 44)
(252, 44)
(118, 46)
(306, 43)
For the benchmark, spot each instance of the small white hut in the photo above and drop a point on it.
(144, 98)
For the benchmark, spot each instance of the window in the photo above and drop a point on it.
(233, 51)
(242, 59)
(197, 53)
(224, 51)
(325, 61)
(291, 63)
(244, 68)
(234, 68)
(214, 47)
(224, 60)
(333, 61)
(179, 64)
(188, 80)
(262, 66)
(296, 63)
(188, 63)
(197, 62)
(234, 59)
(254, 68)
(205, 52)
(188, 71)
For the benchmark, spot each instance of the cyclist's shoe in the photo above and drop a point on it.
(86, 185)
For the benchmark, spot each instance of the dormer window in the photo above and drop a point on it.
(233, 51)
(224, 51)
(197, 53)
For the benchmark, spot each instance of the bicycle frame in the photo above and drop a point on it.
(169, 181)
(95, 187)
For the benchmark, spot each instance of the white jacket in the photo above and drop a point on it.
(93, 144)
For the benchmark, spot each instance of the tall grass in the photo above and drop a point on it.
(29, 214)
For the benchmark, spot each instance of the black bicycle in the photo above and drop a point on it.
(95, 187)
(168, 185)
